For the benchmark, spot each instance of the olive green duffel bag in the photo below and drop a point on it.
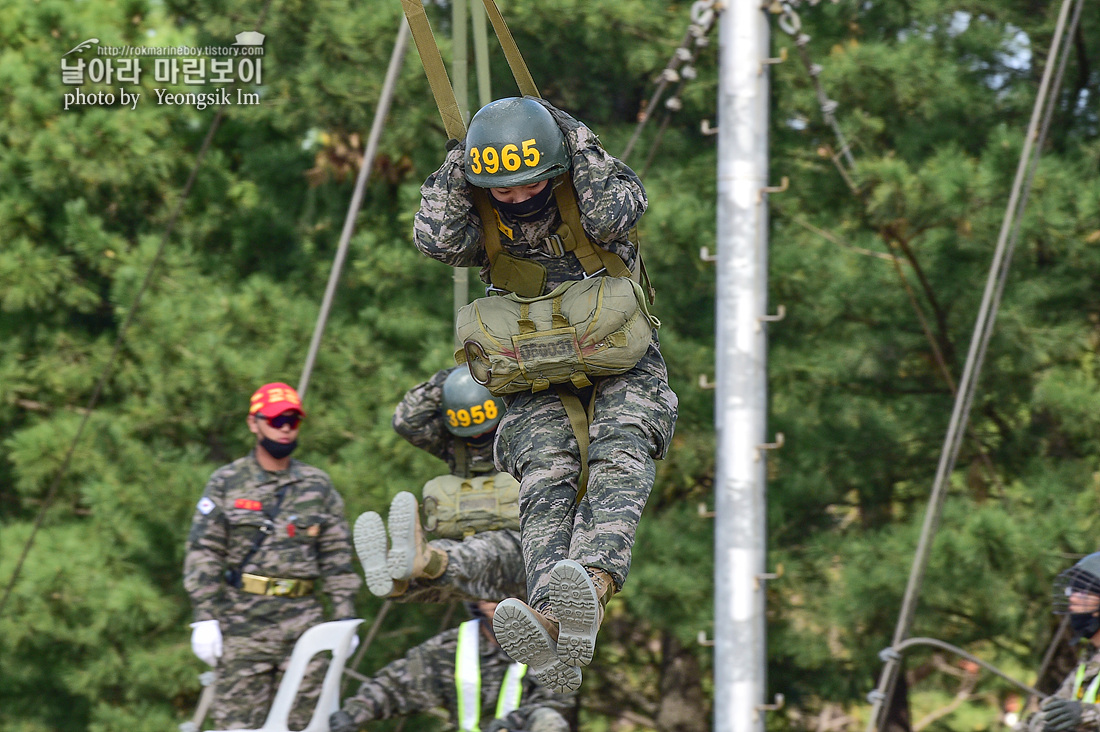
(455, 507)
(600, 326)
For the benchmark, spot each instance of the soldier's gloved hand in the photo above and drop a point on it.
(206, 641)
(1061, 715)
(341, 721)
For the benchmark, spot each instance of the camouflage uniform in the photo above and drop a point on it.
(1090, 713)
(487, 565)
(310, 541)
(425, 678)
(635, 412)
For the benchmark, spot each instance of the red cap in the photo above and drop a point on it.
(271, 400)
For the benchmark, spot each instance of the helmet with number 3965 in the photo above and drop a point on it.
(468, 407)
(514, 142)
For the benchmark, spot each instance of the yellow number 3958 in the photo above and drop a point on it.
(476, 414)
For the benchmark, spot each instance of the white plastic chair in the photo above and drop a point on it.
(335, 637)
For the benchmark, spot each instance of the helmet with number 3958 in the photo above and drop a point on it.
(514, 142)
(468, 407)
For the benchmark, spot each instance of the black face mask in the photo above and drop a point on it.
(482, 439)
(1085, 625)
(278, 450)
(532, 208)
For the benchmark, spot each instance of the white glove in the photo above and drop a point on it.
(206, 641)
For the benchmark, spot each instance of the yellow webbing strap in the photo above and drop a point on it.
(592, 257)
(511, 51)
(579, 419)
(488, 216)
(438, 79)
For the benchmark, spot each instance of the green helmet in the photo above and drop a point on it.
(468, 407)
(1072, 589)
(514, 142)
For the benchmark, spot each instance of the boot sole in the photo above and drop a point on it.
(574, 602)
(402, 523)
(525, 641)
(370, 545)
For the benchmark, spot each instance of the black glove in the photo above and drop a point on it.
(341, 721)
(1061, 715)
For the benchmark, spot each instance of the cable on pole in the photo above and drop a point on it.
(982, 331)
(396, 59)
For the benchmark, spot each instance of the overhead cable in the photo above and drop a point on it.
(396, 59)
(991, 297)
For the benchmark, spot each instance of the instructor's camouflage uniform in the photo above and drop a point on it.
(310, 541)
(487, 565)
(425, 678)
(1090, 713)
(634, 412)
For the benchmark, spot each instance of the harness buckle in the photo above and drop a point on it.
(554, 245)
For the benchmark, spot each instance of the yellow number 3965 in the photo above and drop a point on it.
(490, 160)
(476, 414)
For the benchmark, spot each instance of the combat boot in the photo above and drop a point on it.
(411, 557)
(528, 636)
(370, 544)
(578, 596)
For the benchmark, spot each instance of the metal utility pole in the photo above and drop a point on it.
(740, 355)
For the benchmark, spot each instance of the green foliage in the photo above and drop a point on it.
(881, 275)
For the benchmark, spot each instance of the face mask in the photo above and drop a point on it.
(532, 208)
(482, 439)
(278, 450)
(1085, 625)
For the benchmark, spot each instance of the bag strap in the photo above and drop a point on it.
(592, 257)
(579, 419)
(233, 577)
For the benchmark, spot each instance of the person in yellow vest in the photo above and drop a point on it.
(1074, 706)
(464, 671)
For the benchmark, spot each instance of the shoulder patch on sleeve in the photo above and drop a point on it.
(205, 505)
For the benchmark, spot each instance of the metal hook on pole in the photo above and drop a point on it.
(779, 440)
(784, 183)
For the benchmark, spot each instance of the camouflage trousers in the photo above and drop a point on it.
(258, 635)
(634, 415)
(485, 566)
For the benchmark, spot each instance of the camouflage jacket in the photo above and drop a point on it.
(425, 679)
(310, 539)
(610, 196)
(419, 419)
(1090, 713)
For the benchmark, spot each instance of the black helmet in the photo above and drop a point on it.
(1082, 578)
(468, 407)
(514, 142)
